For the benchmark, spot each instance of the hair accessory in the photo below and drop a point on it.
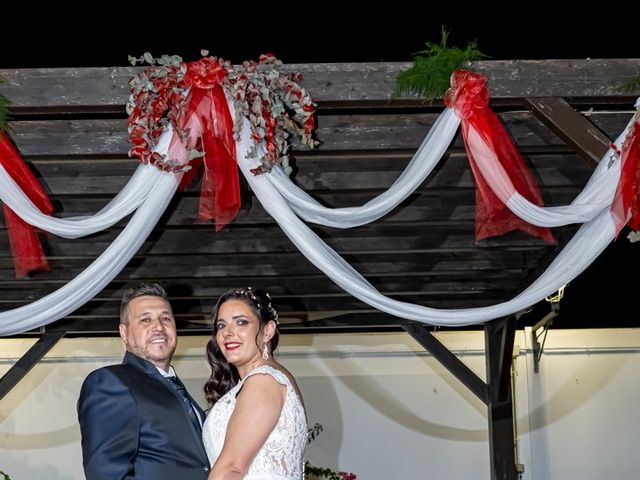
(271, 309)
(267, 306)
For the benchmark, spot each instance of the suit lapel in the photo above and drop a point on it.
(145, 366)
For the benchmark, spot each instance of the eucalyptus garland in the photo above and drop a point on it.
(276, 106)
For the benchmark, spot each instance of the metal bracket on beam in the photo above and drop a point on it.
(544, 324)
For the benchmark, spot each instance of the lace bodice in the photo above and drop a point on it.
(280, 458)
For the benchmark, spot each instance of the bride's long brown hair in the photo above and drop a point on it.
(224, 375)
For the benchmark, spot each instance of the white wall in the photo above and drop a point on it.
(388, 409)
(580, 413)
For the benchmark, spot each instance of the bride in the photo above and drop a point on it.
(256, 428)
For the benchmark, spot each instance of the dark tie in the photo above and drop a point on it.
(179, 388)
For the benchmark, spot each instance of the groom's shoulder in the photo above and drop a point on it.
(102, 374)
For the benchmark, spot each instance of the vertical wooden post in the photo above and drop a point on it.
(496, 392)
(499, 338)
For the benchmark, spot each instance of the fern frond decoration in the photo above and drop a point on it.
(632, 85)
(429, 75)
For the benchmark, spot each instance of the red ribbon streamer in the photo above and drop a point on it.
(470, 98)
(26, 249)
(626, 203)
(210, 128)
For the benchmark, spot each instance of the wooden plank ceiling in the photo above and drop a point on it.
(70, 126)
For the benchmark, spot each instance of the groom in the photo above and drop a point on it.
(137, 420)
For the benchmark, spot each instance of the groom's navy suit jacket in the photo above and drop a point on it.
(135, 426)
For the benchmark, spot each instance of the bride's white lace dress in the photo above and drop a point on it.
(280, 458)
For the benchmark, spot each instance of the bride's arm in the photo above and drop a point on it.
(258, 408)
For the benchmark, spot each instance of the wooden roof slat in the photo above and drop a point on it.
(108, 137)
(336, 82)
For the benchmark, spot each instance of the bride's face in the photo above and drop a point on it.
(238, 331)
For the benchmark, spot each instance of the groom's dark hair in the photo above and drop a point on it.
(142, 290)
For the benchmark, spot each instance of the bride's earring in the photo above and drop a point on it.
(265, 352)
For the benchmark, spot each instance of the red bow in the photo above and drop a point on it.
(28, 255)
(626, 203)
(470, 98)
(209, 128)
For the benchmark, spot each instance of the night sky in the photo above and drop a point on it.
(320, 32)
(303, 33)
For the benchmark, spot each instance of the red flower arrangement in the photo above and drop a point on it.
(274, 103)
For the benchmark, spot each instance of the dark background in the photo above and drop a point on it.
(106, 32)
(57, 36)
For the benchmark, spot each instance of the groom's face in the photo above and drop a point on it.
(150, 330)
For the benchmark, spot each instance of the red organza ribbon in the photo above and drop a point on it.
(469, 96)
(210, 128)
(28, 255)
(220, 191)
(626, 203)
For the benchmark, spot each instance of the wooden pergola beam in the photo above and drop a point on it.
(463, 373)
(572, 127)
(30, 359)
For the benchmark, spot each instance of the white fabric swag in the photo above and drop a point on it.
(150, 190)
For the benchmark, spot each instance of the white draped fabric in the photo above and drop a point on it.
(596, 196)
(150, 190)
(128, 199)
(132, 195)
(158, 191)
(579, 253)
(426, 157)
